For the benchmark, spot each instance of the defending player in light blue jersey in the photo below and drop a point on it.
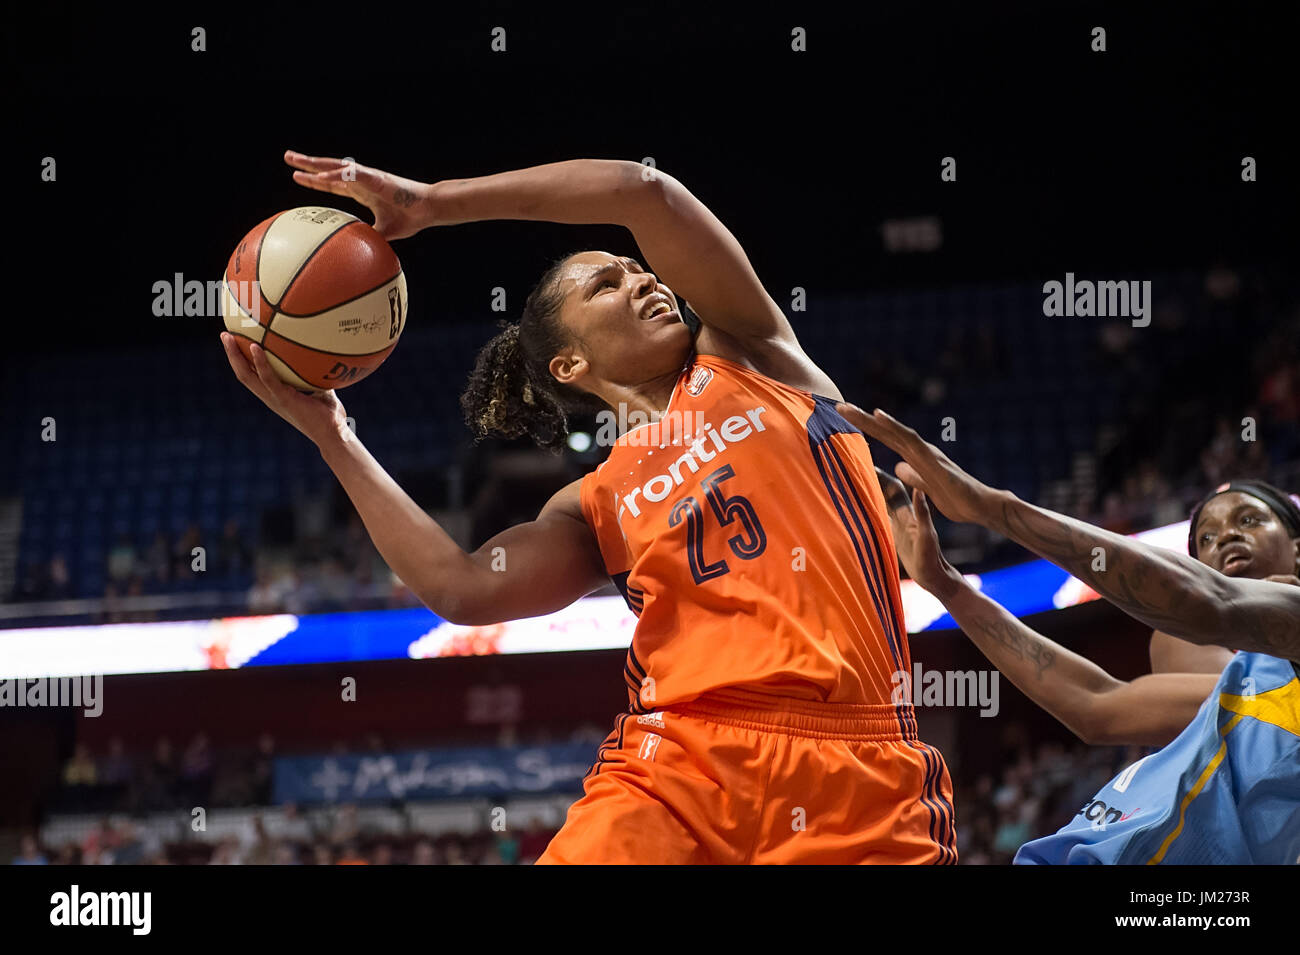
(1227, 789)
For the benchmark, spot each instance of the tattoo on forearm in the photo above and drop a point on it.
(404, 197)
(1132, 580)
(1021, 641)
(1158, 588)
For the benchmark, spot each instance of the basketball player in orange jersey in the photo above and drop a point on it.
(742, 522)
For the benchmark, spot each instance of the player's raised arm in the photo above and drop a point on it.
(1163, 589)
(1098, 708)
(683, 242)
(527, 570)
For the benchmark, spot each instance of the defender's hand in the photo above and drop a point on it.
(916, 540)
(954, 492)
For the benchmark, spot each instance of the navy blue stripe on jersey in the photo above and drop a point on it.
(635, 675)
(893, 623)
(633, 684)
(632, 596)
(600, 752)
(906, 721)
(608, 745)
(637, 668)
(822, 424)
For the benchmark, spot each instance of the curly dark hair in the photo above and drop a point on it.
(511, 391)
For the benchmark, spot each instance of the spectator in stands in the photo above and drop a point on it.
(130, 848)
(159, 784)
(196, 770)
(226, 852)
(68, 854)
(80, 771)
(99, 840)
(322, 854)
(29, 852)
(351, 855)
(121, 560)
(234, 557)
(1016, 828)
(507, 848)
(262, 848)
(115, 768)
(60, 579)
(454, 852)
(304, 592)
(267, 593)
(1219, 459)
(156, 568)
(533, 843)
(263, 774)
(183, 554)
(286, 854)
(292, 826)
(135, 588)
(347, 826)
(381, 854)
(363, 595)
(423, 853)
(232, 779)
(335, 588)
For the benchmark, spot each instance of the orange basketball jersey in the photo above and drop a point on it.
(747, 531)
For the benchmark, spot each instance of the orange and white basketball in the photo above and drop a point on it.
(321, 291)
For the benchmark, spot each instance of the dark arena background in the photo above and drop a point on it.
(904, 180)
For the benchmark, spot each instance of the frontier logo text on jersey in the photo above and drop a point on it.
(103, 908)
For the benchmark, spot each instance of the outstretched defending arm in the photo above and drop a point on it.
(1163, 589)
(1094, 705)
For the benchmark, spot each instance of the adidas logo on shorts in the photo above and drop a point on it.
(655, 719)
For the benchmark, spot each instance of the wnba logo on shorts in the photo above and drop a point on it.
(699, 381)
(648, 747)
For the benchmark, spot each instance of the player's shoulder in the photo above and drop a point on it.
(567, 501)
(778, 361)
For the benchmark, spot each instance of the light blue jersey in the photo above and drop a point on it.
(1226, 791)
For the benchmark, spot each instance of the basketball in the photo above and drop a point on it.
(321, 291)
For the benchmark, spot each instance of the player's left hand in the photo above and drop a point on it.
(402, 207)
(954, 492)
(916, 540)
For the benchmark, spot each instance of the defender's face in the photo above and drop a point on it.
(1239, 535)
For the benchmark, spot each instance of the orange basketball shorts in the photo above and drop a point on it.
(738, 777)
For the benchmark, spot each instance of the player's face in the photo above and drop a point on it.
(627, 322)
(1239, 535)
